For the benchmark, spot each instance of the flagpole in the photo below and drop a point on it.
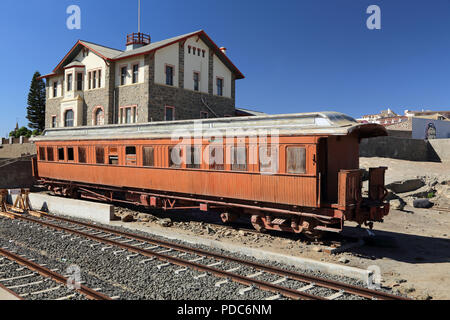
(139, 15)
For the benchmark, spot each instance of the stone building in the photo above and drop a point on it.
(185, 77)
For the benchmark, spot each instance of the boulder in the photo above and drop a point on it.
(406, 185)
(422, 203)
(165, 222)
(397, 204)
(127, 218)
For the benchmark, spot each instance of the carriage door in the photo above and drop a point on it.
(322, 162)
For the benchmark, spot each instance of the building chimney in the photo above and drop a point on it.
(137, 40)
(224, 50)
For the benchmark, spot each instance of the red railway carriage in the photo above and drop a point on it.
(296, 173)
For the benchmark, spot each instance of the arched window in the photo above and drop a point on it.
(68, 118)
(99, 117)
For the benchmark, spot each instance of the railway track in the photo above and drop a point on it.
(25, 278)
(175, 254)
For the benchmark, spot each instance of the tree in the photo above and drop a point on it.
(22, 132)
(36, 104)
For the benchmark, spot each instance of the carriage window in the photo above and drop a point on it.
(131, 158)
(268, 159)
(114, 160)
(41, 153)
(148, 157)
(60, 154)
(173, 161)
(70, 154)
(100, 155)
(81, 154)
(195, 158)
(296, 160)
(216, 154)
(50, 156)
(239, 158)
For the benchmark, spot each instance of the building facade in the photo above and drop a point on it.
(186, 77)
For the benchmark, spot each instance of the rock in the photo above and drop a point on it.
(316, 249)
(144, 220)
(406, 185)
(127, 218)
(344, 260)
(165, 222)
(209, 230)
(422, 203)
(241, 233)
(227, 233)
(397, 204)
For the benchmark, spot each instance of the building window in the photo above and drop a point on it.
(68, 118)
(123, 75)
(194, 50)
(148, 157)
(239, 158)
(79, 81)
(135, 73)
(203, 52)
(94, 79)
(196, 81)
(128, 115)
(100, 155)
(50, 156)
(170, 114)
(169, 75)
(69, 82)
(53, 121)
(61, 154)
(90, 80)
(204, 115)
(99, 78)
(296, 160)
(99, 119)
(189, 49)
(55, 89)
(81, 154)
(219, 86)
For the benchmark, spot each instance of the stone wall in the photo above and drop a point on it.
(9, 151)
(406, 149)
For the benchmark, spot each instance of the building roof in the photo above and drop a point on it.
(319, 123)
(110, 54)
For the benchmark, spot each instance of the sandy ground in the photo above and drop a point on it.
(411, 248)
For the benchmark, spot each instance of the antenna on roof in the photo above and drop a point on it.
(139, 15)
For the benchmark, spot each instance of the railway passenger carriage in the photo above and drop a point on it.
(312, 183)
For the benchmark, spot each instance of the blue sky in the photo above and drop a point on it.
(297, 56)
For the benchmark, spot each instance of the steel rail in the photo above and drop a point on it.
(267, 286)
(88, 292)
(326, 283)
(2, 287)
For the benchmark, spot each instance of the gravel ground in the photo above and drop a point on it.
(130, 279)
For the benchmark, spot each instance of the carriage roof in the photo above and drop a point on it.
(318, 123)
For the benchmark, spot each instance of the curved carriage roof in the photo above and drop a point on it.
(318, 123)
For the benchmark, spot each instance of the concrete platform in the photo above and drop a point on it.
(98, 212)
(304, 263)
(6, 295)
